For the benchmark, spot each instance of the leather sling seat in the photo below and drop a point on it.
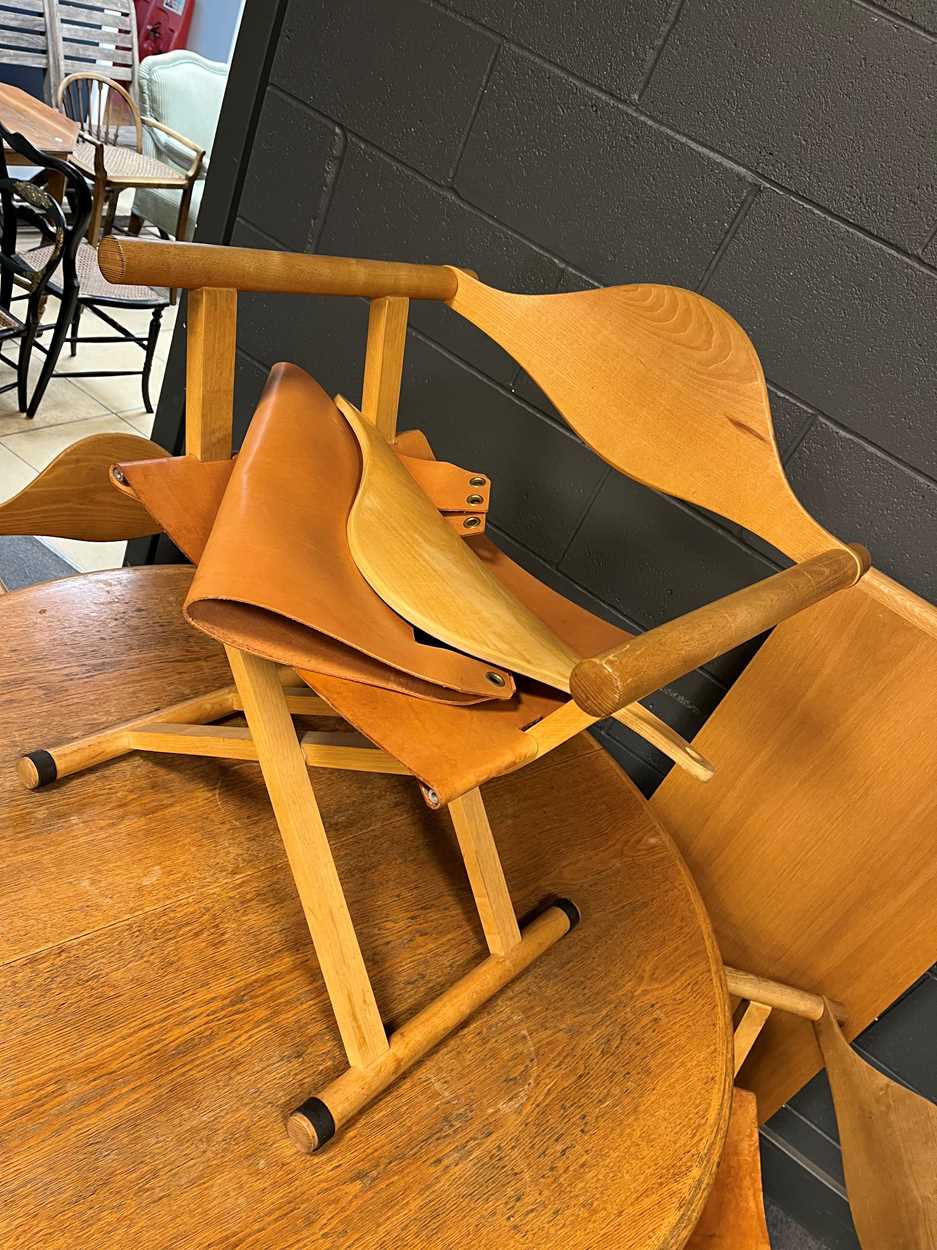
(275, 576)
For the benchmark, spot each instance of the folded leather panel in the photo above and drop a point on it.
(450, 747)
(276, 576)
(181, 494)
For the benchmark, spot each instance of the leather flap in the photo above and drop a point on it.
(275, 575)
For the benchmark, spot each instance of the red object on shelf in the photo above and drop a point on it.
(163, 25)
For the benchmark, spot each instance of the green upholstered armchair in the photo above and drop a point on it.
(182, 91)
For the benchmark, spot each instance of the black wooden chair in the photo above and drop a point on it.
(93, 291)
(27, 205)
(66, 266)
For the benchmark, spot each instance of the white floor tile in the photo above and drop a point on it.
(122, 394)
(14, 474)
(39, 447)
(63, 401)
(137, 320)
(140, 419)
(89, 557)
(117, 355)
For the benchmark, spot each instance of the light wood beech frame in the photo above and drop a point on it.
(604, 686)
(269, 698)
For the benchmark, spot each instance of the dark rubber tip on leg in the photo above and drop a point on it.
(44, 765)
(572, 911)
(320, 1117)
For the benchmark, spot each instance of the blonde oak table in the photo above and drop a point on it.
(162, 1010)
(46, 129)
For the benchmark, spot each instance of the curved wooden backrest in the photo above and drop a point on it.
(73, 497)
(665, 386)
(421, 567)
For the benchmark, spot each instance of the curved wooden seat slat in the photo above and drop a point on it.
(164, 1010)
(421, 567)
(73, 497)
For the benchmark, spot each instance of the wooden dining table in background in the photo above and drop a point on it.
(48, 130)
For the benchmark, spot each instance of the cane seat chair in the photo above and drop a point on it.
(334, 548)
(110, 151)
(28, 205)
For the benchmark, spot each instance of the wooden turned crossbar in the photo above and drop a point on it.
(315, 1121)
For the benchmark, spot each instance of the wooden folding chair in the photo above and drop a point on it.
(661, 383)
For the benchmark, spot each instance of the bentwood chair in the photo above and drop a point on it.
(111, 152)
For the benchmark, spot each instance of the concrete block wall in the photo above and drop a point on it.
(778, 157)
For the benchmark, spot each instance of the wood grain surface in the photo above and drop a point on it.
(73, 497)
(190, 265)
(813, 845)
(663, 385)
(888, 1136)
(46, 128)
(163, 1010)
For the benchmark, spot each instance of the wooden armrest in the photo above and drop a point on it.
(98, 145)
(603, 685)
(147, 262)
(199, 152)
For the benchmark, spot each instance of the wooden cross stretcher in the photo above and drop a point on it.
(661, 383)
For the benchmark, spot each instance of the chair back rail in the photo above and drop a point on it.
(103, 109)
(194, 265)
(662, 383)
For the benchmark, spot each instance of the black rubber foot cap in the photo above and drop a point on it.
(572, 911)
(320, 1117)
(44, 765)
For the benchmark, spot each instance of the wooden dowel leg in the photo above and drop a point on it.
(307, 848)
(748, 1025)
(485, 873)
(383, 365)
(39, 768)
(313, 1123)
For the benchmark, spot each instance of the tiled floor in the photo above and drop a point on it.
(74, 408)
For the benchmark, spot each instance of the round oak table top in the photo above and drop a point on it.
(163, 1009)
(46, 128)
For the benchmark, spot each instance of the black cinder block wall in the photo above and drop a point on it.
(778, 157)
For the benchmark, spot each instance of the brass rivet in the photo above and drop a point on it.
(476, 481)
(471, 523)
(475, 499)
(495, 678)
